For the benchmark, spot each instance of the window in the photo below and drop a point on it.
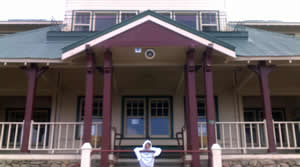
(159, 117)
(126, 15)
(82, 21)
(209, 21)
(104, 20)
(147, 117)
(17, 115)
(188, 19)
(97, 116)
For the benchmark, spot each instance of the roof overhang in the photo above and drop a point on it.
(199, 37)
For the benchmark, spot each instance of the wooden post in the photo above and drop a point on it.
(187, 109)
(89, 96)
(262, 70)
(209, 101)
(107, 108)
(32, 72)
(192, 106)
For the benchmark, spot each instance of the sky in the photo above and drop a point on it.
(237, 10)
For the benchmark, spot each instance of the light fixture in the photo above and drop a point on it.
(149, 53)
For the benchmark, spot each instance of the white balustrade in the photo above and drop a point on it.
(11, 135)
(287, 134)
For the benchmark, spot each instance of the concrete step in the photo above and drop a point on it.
(158, 163)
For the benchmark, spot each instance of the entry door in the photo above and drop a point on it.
(147, 117)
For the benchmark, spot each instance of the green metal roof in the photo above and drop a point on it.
(265, 43)
(158, 16)
(32, 45)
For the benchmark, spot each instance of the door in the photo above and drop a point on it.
(147, 117)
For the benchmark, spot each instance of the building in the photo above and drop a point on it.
(13, 26)
(171, 71)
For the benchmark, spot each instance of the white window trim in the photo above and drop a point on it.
(165, 12)
(126, 11)
(187, 12)
(74, 19)
(104, 12)
(201, 21)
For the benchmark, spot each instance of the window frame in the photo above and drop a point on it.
(128, 12)
(150, 117)
(74, 19)
(187, 12)
(147, 124)
(126, 117)
(104, 12)
(166, 11)
(79, 118)
(217, 24)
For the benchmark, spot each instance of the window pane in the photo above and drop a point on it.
(82, 18)
(209, 28)
(104, 21)
(82, 28)
(209, 18)
(135, 126)
(187, 19)
(159, 126)
(125, 16)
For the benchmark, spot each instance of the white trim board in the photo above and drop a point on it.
(171, 27)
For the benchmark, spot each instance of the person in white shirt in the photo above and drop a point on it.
(146, 154)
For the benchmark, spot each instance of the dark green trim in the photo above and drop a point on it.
(147, 136)
(158, 16)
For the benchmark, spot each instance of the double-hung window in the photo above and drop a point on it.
(188, 19)
(209, 21)
(104, 20)
(82, 21)
(167, 14)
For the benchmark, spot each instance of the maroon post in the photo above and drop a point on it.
(107, 108)
(262, 70)
(32, 72)
(209, 101)
(192, 106)
(186, 108)
(89, 96)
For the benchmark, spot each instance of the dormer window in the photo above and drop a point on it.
(126, 15)
(82, 21)
(209, 21)
(188, 19)
(104, 20)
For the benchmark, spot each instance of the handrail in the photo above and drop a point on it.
(164, 151)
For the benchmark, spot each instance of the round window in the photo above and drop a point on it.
(149, 53)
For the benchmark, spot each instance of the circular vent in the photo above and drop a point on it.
(149, 53)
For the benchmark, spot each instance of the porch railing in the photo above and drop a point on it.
(236, 135)
(61, 135)
(287, 134)
(11, 135)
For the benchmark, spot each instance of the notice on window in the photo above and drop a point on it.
(135, 121)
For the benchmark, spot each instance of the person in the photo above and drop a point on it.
(147, 154)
